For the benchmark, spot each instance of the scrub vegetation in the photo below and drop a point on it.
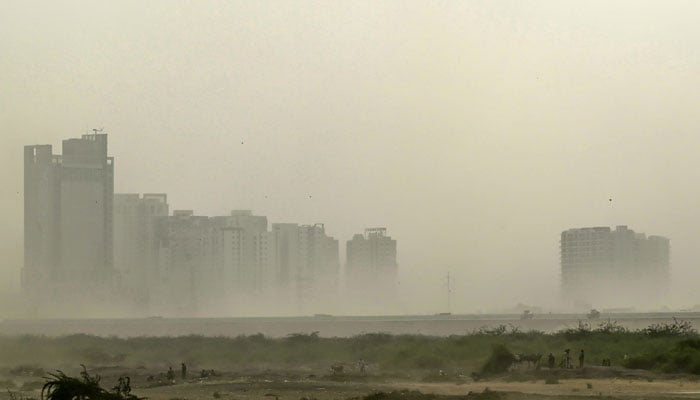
(670, 347)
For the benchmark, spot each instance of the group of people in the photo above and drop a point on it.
(338, 368)
(171, 374)
(206, 373)
(123, 387)
(566, 359)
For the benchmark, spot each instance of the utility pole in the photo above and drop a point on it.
(449, 294)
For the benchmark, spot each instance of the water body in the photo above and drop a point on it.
(326, 326)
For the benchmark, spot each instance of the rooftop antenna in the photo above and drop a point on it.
(96, 130)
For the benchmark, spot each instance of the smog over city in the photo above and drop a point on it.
(351, 167)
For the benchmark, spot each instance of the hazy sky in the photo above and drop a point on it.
(475, 131)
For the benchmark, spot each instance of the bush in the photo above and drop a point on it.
(499, 330)
(678, 327)
(400, 395)
(684, 357)
(303, 337)
(582, 330)
(499, 362)
(611, 327)
(429, 361)
(645, 361)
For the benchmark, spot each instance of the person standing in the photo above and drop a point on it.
(183, 370)
(580, 359)
(550, 360)
(171, 374)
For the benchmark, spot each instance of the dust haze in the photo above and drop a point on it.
(475, 132)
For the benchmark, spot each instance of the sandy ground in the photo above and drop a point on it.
(343, 390)
(293, 386)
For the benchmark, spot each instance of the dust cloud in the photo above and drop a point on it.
(475, 132)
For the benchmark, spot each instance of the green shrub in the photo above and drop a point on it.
(678, 327)
(429, 361)
(500, 360)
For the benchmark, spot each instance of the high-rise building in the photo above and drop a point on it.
(68, 217)
(305, 267)
(245, 257)
(371, 270)
(233, 265)
(286, 268)
(319, 268)
(42, 211)
(615, 268)
(185, 262)
(372, 254)
(136, 246)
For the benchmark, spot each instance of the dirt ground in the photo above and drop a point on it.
(296, 385)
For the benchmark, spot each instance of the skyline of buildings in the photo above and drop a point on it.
(620, 267)
(83, 240)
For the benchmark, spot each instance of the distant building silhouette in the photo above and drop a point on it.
(319, 267)
(371, 269)
(87, 246)
(136, 245)
(604, 267)
(306, 266)
(185, 257)
(286, 254)
(68, 218)
(232, 264)
(242, 254)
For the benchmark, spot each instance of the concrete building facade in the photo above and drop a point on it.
(244, 241)
(372, 254)
(602, 267)
(371, 270)
(316, 281)
(68, 217)
(185, 260)
(234, 265)
(136, 245)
